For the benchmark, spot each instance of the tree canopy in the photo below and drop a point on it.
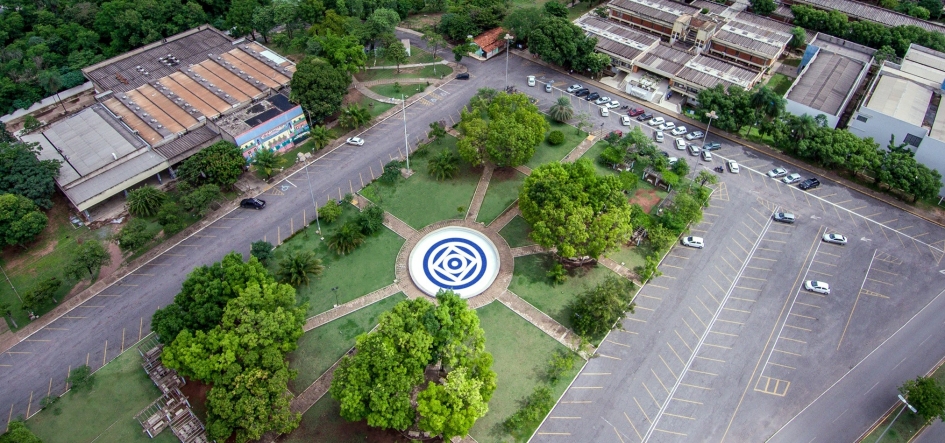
(319, 88)
(219, 164)
(595, 311)
(572, 208)
(380, 382)
(505, 128)
(926, 395)
(23, 173)
(20, 220)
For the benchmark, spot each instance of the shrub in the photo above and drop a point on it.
(391, 172)
(558, 274)
(555, 138)
(533, 408)
(145, 201)
(80, 378)
(559, 364)
(346, 239)
(134, 235)
(371, 220)
(199, 200)
(595, 311)
(262, 250)
(443, 166)
(330, 212)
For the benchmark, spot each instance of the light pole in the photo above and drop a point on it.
(712, 116)
(403, 101)
(508, 38)
(905, 405)
(335, 290)
(308, 177)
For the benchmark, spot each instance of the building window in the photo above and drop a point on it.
(913, 140)
(862, 118)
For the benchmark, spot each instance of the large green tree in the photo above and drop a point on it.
(508, 131)
(219, 164)
(927, 396)
(20, 220)
(344, 53)
(383, 380)
(23, 173)
(595, 311)
(319, 88)
(572, 208)
(17, 432)
(556, 40)
(88, 259)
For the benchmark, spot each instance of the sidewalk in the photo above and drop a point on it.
(413, 65)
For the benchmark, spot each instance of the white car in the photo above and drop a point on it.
(792, 178)
(658, 135)
(667, 126)
(357, 141)
(707, 156)
(531, 80)
(817, 286)
(602, 100)
(625, 120)
(613, 104)
(573, 88)
(680, 130)
(672, 160)
(693, 242)
(777, 172)
(656, 121)
(836, 239)
(693, 149)
(732, 167)
(694, 135)
(680, 144)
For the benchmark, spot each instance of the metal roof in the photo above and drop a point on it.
(900, 98)
(616, 39)
(863, 11)
(707, 72)
(661, 10)
(665, 60)
(826, 82)
(713, 7)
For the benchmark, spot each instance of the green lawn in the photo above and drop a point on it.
(323, 346)
(530, 281)
(908, 424)
(546, 153)
(420, 199)
(630, 256)
(593, 155)
(397, 91)
(105, 414)
(516, 232)
(579, 9)
(432, 71)
(795, 62)
(521, 352)
(779, 83)
(417, 55)
(503, 191)
(368, 268)
(375, 107)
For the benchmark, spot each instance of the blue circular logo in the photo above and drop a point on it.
(454, 263)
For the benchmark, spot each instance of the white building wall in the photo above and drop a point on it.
(799, 109)
(931, 153)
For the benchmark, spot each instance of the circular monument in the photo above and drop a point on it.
(460, 259)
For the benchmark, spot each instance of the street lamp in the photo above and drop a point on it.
(335, 290)
(508, 38)
(905, 405)
(712, 116)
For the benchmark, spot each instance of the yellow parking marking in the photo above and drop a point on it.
(889, 221)
(827, 253)
(789, 353)
(797, 327)
(825, 263)
(636, 319)
(845, 201)
(737, 310)
(763, 258)
(650, 296)
(703, 372)
(108, 295)
(732, 322)
(667, 365)
(618, 344)
(773, 390)
(710, 294)
(628, 332)
(676, 354)
(745, 237)
(757, 268)
(754, 278)
(587, 387)
(884, 272)
(679, 256)
(879, 281)
(803, 316)
(142, 275)
(563, 418)
(717, 346)
(670, 432)
(711, 313)
(710, 359)
(577, 402)
(749, 228)
(724, 333)
(687, 401)
(743, 299)
(857, 208)
(794, 340)
(716, 283)
(750, 289)
(641, 410)
(679, 416)
(645, 309)
(671, 266)
(729, 264)
(783, 366)
(772, 231)
(36, 339)
(696, 386)
(658, 405)
(683, 340)
(73, 317)
(632, 426)
(773, 241)
(697, 318)
(917, 236)
(91, 306)
(539, 433)
(873, 294)
(607, 356)
(808, 304)
(660, 381)
(618, 435)
(734, 255)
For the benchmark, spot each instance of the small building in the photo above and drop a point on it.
(831, 72)
(903, 103)
(273, 123)
(490, 43)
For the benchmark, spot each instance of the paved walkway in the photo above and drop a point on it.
(524, 169)
(351, 306)
(580, 150)
(527, 250)
(399, 226)
(480, 193)
(412, 65)
(505, 218)
(541, 320)
(620, 269)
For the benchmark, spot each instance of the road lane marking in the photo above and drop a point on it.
(844, 333)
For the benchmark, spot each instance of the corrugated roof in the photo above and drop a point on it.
(863, 11)
(661, 10)
(730, 37)
(826, 82)
(707, 72)
(764, 23)
(713, 7)
(900, 98)
(194, 139)
(665, 59)
(129, 171)
(617, 32)
(617, 49)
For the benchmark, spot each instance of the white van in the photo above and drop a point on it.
(604, 112)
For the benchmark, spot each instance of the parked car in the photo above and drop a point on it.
(548, 86)
(617, 134)
(601, 100)
(357, 141)
(791, 178)
(592, 96)
(817, 286)
(694, 135)
(658, 135)
(613, 104)
(836, 239)
(604, 112)
(531, 80)
(667, 126)
(712, 146)
(732, 167)
(462, 76)
(680, 130)
(693, 242)
(810, 183)
(693, 149)
(784, 217)
(680, 144)
(252, 203)
(573, 88)
(777, 172)
(672, 160)
(636, 111)
(582, 92)
(625, 120)
(644, 117)
(656, 121)
(707, 156)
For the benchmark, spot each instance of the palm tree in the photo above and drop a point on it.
(561, 111)
(265, 161)
(320, 136)
(354, 116)
(296, 268)
(443, 166)
(802, 127)
(346, 239)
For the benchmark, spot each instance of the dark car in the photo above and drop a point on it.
(644, 117)
(712, 146)
(635, 112)
(582, 92)
(463, 76)
(592, 96)
(810, 183)
(252, 203)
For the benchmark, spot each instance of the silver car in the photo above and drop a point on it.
(817, 286)
(792, 178)
(777, 172)
(836, 239)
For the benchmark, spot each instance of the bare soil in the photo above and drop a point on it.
(646, 198)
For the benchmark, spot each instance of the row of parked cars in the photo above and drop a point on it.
(792, 178)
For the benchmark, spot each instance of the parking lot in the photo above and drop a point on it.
(727, 345)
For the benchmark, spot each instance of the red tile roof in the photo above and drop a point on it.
(490, 39)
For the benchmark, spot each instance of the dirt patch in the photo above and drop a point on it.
(353, 96)
(646, 198)
(504, 174)
(15, 256)
(196, 393)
